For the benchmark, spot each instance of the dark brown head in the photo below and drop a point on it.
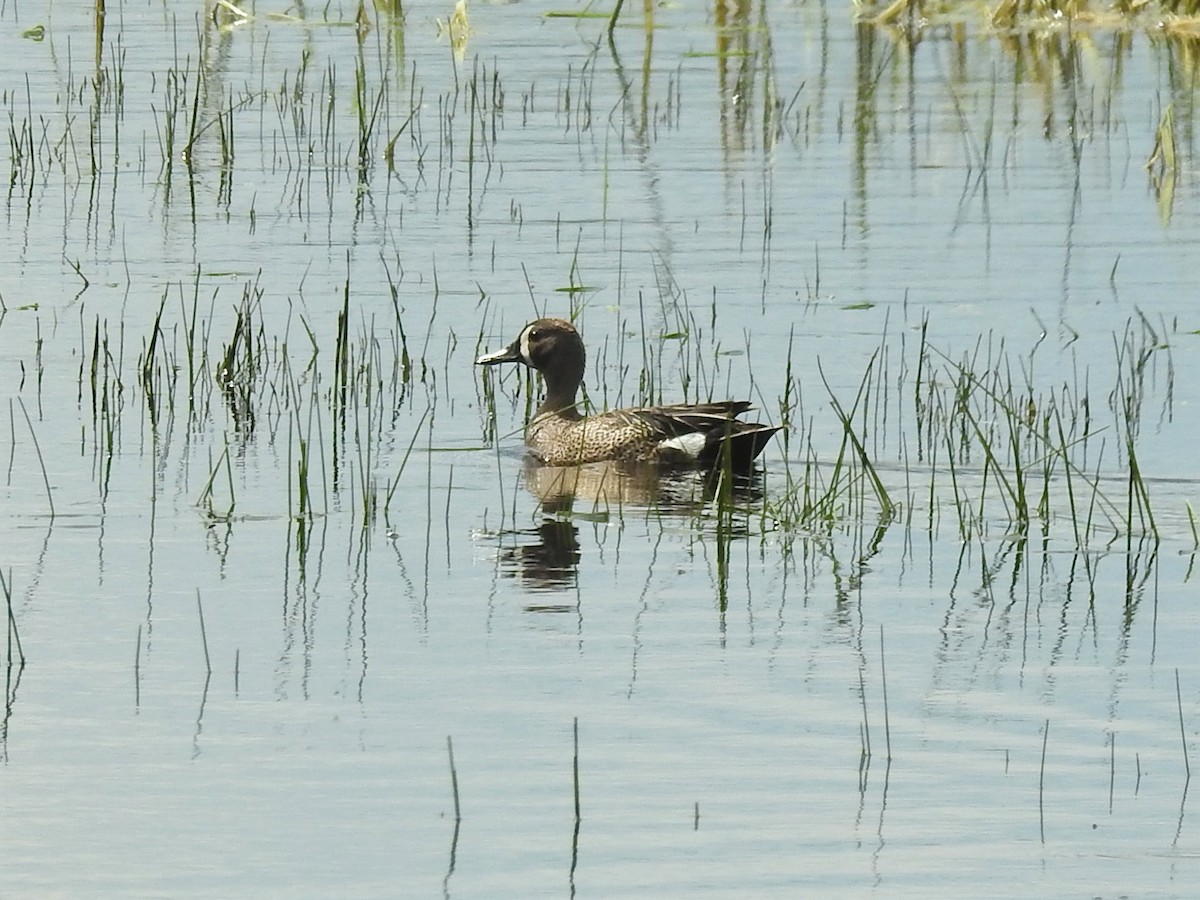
(552, 347)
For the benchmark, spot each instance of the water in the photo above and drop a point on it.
(232, 686)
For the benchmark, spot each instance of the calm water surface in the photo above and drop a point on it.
(255, 619)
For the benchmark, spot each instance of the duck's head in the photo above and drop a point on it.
(552, 347)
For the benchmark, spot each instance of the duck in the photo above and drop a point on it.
(676, 435)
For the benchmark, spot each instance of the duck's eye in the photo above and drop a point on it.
(534, 334)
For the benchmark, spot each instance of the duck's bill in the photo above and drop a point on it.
(511, 353)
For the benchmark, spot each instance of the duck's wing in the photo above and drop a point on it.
(689, 418)
(699, 433)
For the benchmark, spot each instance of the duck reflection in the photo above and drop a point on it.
(615, 487)
(546, 557)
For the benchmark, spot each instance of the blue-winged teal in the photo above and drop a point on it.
(683, 434)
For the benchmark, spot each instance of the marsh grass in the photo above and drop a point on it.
(37, 449)
(335, 399)
(1187, 765)
(1179, 16)
(14, 663)
(101, 382)
(979, 437)
(979, 440)
(209, 495)
(984, 441)
(1163, 163)
(578, 819)
(13, 648)
(995, 446)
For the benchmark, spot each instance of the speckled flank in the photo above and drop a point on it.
(559, 441)
(558, 435)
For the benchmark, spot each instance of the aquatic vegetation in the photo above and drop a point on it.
(1031, 16)
(259, 497)
(995, 448)
(982, 439)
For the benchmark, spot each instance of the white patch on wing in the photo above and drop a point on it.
(690, 445)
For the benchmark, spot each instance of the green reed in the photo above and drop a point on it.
(154, 366)
(13, 645)
(994, 445)
(215, 508)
